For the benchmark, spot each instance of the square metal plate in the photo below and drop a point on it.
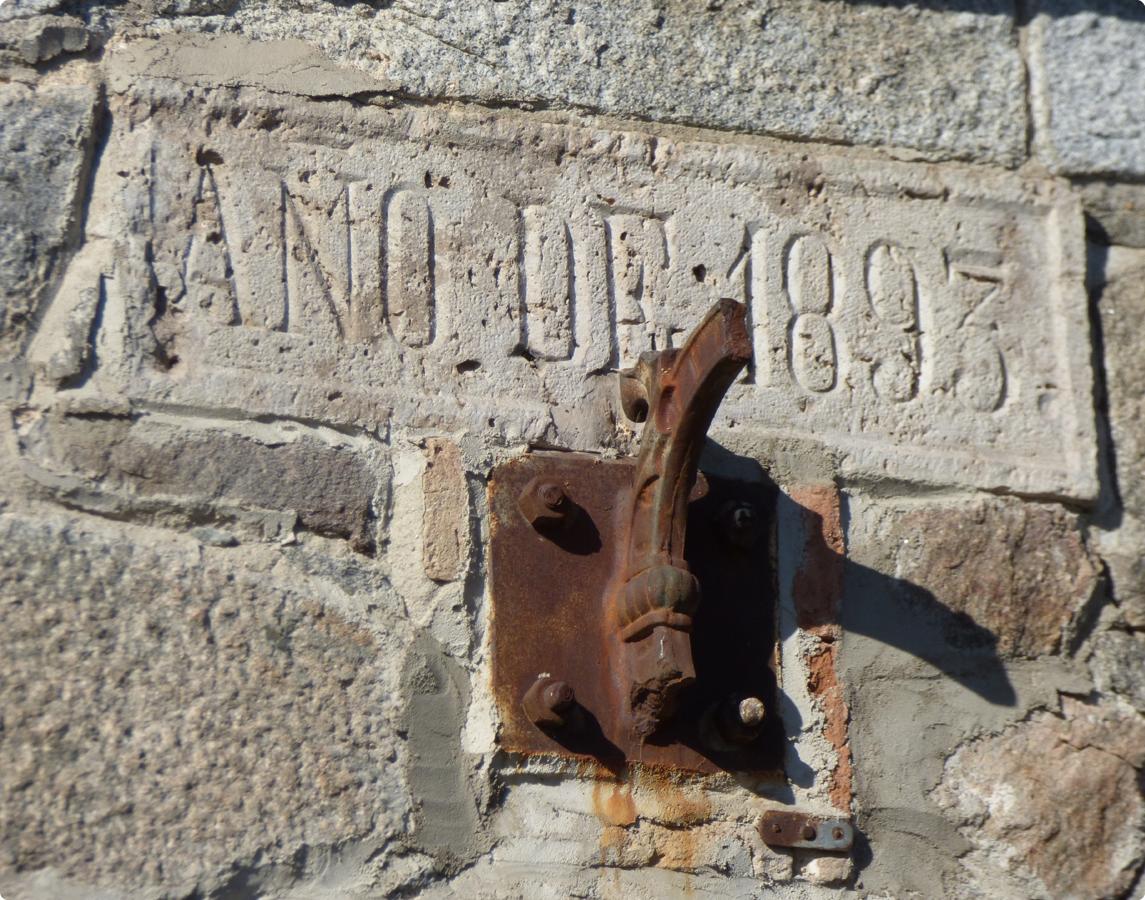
(549, 591)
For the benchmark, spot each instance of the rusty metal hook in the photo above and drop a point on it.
(676, 394)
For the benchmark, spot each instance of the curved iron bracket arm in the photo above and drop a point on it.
(676, 393)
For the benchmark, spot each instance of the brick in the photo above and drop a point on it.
(445, 517)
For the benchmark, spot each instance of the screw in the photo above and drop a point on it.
(776, 828)
(751, 712)
(808, 832)
(837, 834)
(559, 697)
(740, 524)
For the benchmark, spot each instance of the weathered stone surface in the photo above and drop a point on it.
(1120, 296)
(45, 142)
(17, 9)
(200, 470)
(924, 323)
(1116, 211)
(1118, 663)
(181, 720)
(445, 518)
(1090, 82)
(912, 77)
(43, 38)
(1056, 798)
(921, 677)
(1121, 304)
(1019, 571)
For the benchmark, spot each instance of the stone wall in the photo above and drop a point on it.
(281, 284)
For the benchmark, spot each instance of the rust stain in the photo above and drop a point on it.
(818, 590)
(823, 682)
(671, 801)
(676, 848)
(819, 581)
(613, 803)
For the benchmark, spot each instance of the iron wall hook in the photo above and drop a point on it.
(676, 393)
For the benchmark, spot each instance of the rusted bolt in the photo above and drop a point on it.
(544, 503)
(808, 832)
(751, 712)
(552, 495)
(559, 697)
(549, 703)
(776, 828)
(739, 522)
(738, 719)
(837, 833)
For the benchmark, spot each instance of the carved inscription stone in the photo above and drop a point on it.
(462, 268)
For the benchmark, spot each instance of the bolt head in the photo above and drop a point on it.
(552, 495)
(751, 712)
(743, 517)
(545, 504)
(837, 833)
(559, 696)
(739, 521)
(808, 832)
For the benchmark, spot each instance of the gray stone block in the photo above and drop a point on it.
(45, 141)
(267, 478)
(180, 720)
(911, 76)
(1089, 59)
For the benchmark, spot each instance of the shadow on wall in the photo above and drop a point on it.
(905, 616)
(1022, 12)
(908, 617)
(831, 589)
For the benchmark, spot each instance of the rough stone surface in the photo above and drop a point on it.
(45, 141)
(1010, 572)
(1090, 81)
(913, 77)
(1010, 793)
(43, 38)
(1117, 661)
(1116, 211)
(198, 471)
(1119, 293)
(1121, 304)
(922, 679)
(179, 719)
(445, 520)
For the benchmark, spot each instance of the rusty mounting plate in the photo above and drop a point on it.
(789, 828)
(549, 621)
